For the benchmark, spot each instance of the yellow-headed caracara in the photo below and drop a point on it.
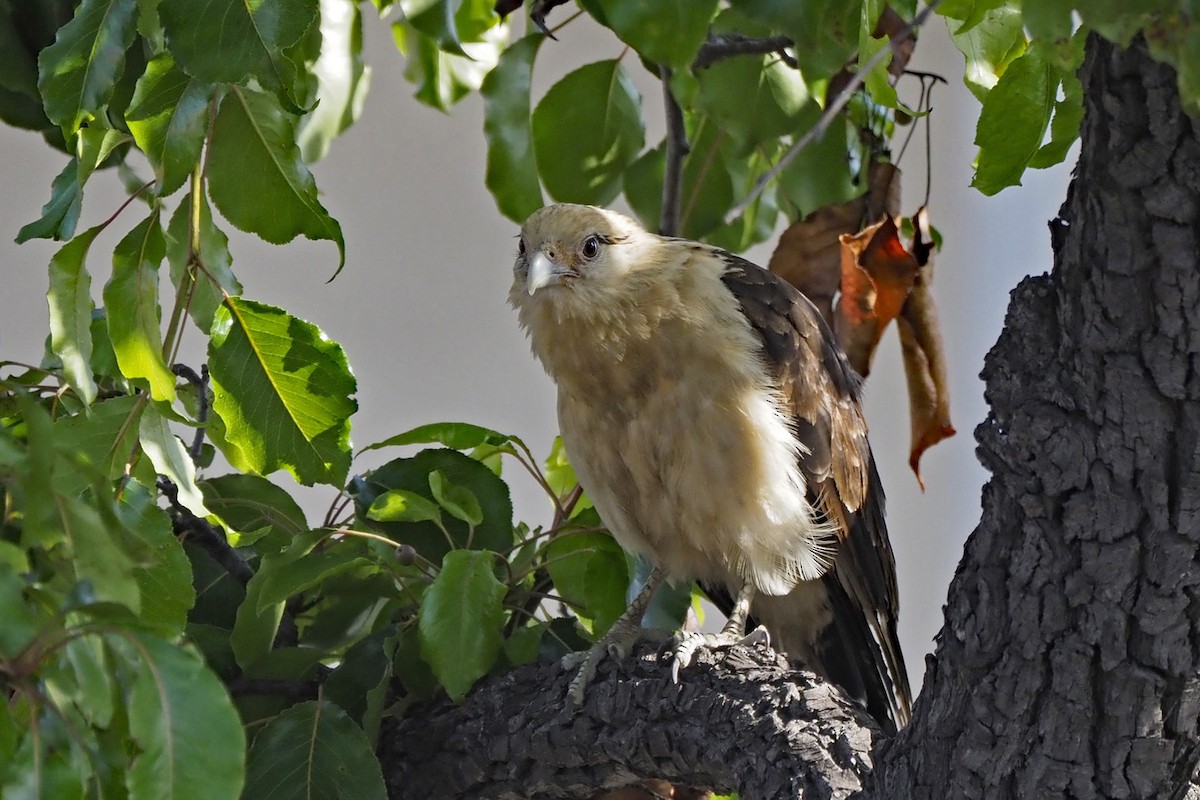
(715, 423)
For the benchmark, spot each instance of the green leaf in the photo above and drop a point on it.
(361, 681)
(877, 80)
(95, 145)
(70, 300)
(825, 31)
(61, 214)
(342, 79)
(1068, 112)
(411, 475)
(313, 751)
(171, 458)
(302, 566)
(589, 571)
(211, 278)
(398, 505)
(458, 500)
(169, 119)
(77, 73)
(586, 131)
(256, 176)
(443, 78)
(165, 583)
(248, 503)
(103, 439)
(98, 554)
(189, 737)
(661, 31)
(990, 47)
(131, 302)
(84, 675)
(20, 620)
(256, 624)
(561, 475)
(455, 435)
(1013, 122)
(512, 173)
(753, 99)
(820, 174)
(973, 12)
(461, 620)
(283, 391)
(228, 41)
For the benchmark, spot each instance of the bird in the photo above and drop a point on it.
(716, 426)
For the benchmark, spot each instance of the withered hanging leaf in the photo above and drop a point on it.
(891, 24)
(808, 255)
(923, 354)
(877, 275)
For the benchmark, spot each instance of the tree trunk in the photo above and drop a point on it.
(1068, 664)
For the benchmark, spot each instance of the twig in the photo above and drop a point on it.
(200, 384)
(204, 534)
(834, 108)
(730, 45)
(677, 148)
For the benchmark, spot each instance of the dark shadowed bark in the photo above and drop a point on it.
(1068, 664)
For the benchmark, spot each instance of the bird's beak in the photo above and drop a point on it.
(544, 272)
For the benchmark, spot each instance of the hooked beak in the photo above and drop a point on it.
(544, 272)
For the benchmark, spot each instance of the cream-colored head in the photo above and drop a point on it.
(572, 254)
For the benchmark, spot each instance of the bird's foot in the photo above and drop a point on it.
(685, 644)
(616, 644)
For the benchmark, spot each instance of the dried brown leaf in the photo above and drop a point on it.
(892, 24)
(877, 275)
(924, 355)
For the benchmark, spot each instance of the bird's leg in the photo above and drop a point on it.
(733, 632)
(621, 637)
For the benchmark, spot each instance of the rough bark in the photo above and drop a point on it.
(741, 720)
(1069, 663)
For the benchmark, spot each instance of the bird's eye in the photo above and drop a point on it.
(591, 247)
(521, 245)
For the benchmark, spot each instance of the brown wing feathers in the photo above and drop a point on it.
(859, 649)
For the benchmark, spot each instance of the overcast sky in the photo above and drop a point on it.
(420, 307)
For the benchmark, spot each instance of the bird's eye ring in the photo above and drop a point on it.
(591, 247)
(520, 245)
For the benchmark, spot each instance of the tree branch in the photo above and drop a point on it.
(739, 720)
(731, 45)
(677, 148)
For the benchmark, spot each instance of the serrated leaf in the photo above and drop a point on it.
(189, 737)
(19, 620)
(589, 571)
(443, 78)
(60, 215)
(342, 79)
(256, 624)
(821, 174)
(77, 73)
(586, 131)
(361, 681)
(512, 174)
(313, 751)
(104, 439)
(88, 681)
(70, 300)
(228, 41)
(661, 31)
(257, 178)
(211, 277)
(98, 554)
(411, 475)
(168, 117)
(302, 567)
(131, 302)
(171, 458)
(95, 144)
(399, 505)
(1013, 121)
(248, 503)
(753, 99)
(461, 619)
(989, 47)
(164, 583)
(458, 500)
(455, 435)
(284, 392)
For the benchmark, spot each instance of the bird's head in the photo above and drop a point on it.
(567, 253)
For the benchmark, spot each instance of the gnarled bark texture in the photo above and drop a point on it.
(1069, 663)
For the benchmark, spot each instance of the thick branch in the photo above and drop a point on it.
(740, 720)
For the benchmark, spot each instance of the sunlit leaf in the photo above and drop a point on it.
(512, 174)
(342, 79)
(1013, 122)
(60, 215)
(283, 391)
(661, 31)
(211, 276)
(70, 300)
(169, 119)
(171, 458)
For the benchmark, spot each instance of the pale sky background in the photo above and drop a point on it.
(420, 307)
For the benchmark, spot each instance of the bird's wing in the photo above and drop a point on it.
(860, 650)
